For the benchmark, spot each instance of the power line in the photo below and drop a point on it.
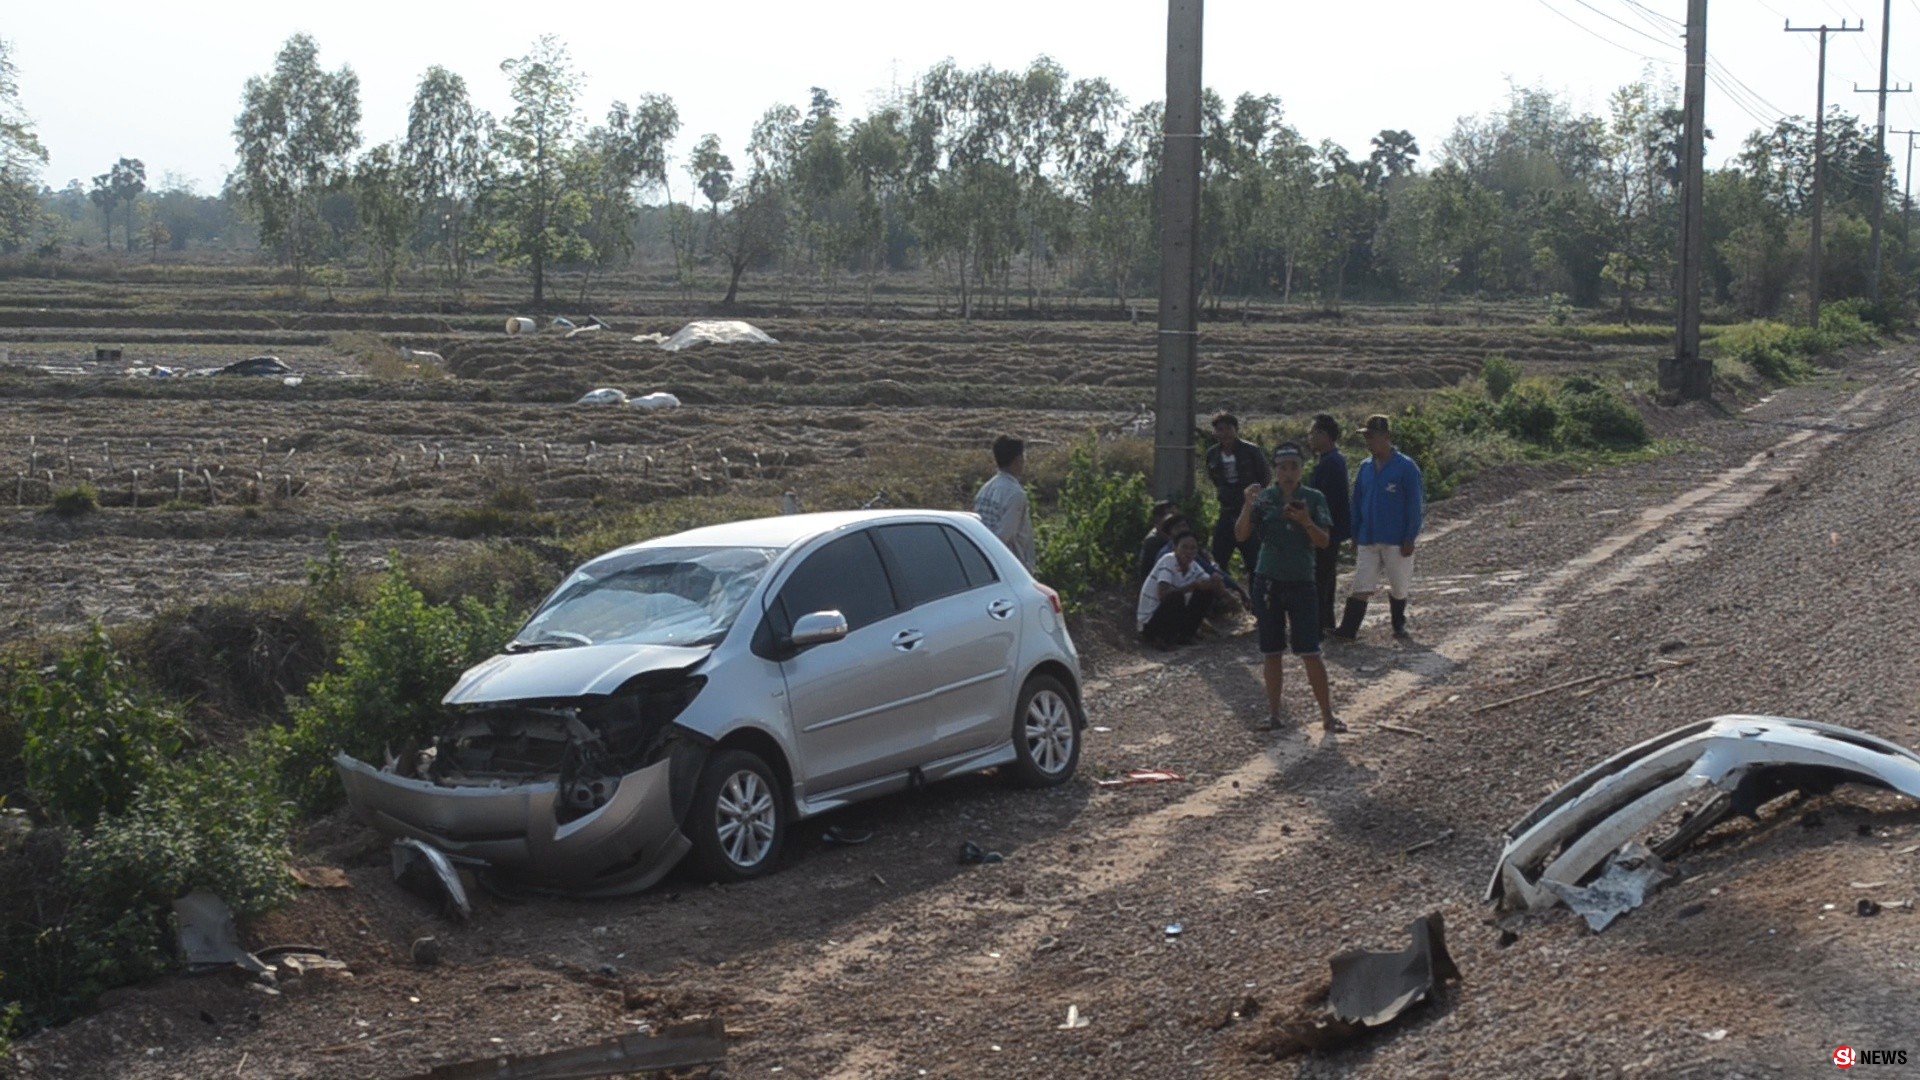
(1627, 26)
(1647, 12)
(1597, 34)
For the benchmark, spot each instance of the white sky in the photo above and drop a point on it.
(162, 82)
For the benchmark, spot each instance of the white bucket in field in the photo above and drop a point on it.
(521, 326)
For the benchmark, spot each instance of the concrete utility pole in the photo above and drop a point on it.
(1689, 375)
(1880, 143)
(1906, 198)
(1179, 220)
(1820, 151)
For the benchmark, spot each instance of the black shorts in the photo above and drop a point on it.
(1287, 610)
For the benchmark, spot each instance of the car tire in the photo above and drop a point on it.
(738, 821)
(1046, 733)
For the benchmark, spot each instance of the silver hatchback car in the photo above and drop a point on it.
(700, 692)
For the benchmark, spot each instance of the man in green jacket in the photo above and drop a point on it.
(1291, 521)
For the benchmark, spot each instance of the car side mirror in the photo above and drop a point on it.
(818, 628)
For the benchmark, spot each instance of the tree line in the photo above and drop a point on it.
(1012, 189)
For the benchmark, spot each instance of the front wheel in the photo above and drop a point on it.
(1046, 733)
(738, 822)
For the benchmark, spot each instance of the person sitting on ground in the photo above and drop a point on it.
(1177, 595)
(1154, 544)
(1173, 525)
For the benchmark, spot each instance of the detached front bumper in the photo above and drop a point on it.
(622, 847)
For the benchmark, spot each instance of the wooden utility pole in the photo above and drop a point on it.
(1179, 221)
(1880, 144)
(1688, 374)
(1820, 153)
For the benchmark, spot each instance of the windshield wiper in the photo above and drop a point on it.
(553, 639)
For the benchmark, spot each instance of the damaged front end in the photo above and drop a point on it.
(580, 794)
(1582, 844)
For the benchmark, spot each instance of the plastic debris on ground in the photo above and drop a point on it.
(206, 935)
(605, 395)
(521, 326)
(257, 365)
(422, 868)
(322, 877)
(1370, 990)
(717, 332)
(1143, 776)
(1629, 875)
(659, 399)
(972, 854)
(1074, 1019)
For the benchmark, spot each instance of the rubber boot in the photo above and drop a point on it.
(1399, 607)
(1349, 627)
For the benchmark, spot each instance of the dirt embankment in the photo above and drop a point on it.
(1746, 556)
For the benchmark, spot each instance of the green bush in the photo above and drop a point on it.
(89, 737)
(1769, 348)
(1885, 316)
(1500, 374)
(1530, 412)
(1090, 538)
(76, 501)
(397, 658)
(1598, 419)
(215, 822)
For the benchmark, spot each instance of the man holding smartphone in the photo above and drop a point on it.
(1291, 522)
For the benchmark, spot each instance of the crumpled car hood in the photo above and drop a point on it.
(571, 672)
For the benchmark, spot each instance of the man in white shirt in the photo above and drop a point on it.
(1177, 595)
(1002, 502)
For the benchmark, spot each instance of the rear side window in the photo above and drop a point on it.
(845, 576)
(979, 570)
(925, 563)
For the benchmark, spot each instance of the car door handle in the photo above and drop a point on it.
(908, 640)
(1001, 608)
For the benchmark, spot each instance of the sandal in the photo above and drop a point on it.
(1333, 725)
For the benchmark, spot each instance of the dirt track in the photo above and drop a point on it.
(1773, 557)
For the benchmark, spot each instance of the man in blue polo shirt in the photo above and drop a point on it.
(1388, 506)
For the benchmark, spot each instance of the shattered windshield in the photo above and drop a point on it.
(654, 596)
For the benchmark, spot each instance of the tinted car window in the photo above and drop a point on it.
(845, 576)
(979, 570)
(925, 563)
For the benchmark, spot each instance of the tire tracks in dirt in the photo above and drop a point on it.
(1635, 555)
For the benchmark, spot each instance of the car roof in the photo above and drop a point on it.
(786, 530)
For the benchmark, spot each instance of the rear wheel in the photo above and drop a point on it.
(1046, 733)
(738, 822)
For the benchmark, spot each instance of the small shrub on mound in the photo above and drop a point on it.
(397, 659)
(216, 822)
(1089, 539)
(1500, 374)
(1531, 412)
(76, 501)
(1599, 419)
(89, 737)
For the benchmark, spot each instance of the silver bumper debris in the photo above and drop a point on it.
(620, 847)
(1730, 764)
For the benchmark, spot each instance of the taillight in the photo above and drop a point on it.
(1052, 597)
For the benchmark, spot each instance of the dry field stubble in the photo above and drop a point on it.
(213, 485)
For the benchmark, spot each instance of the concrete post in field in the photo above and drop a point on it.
(1688, 374)
(1880, 147)
(1179, 221)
